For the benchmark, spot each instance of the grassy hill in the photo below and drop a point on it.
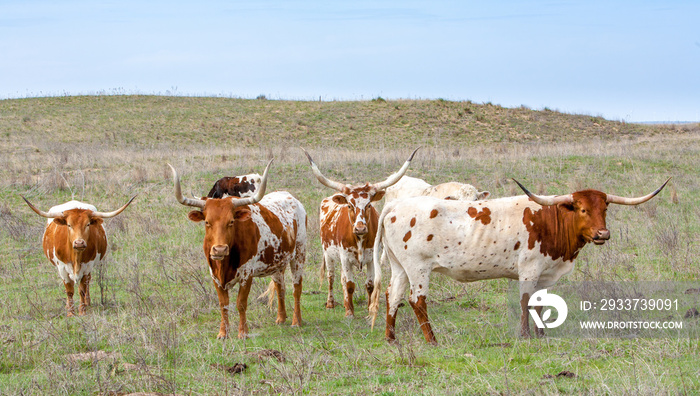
(141, 120)
(155, 316)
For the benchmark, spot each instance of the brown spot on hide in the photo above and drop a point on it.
(407, 236)
(484, 216)
(393, 219)
(413, 222)
(517, 246)
(430, 237)
(433, 213)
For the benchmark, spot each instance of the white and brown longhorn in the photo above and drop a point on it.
(529, 238)
(348, 225)
(74, 242)
(251, 237)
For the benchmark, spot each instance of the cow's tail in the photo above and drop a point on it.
(377, 254)
(270, 294)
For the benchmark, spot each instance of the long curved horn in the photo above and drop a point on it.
(261, 190)
(546, 201)
(197, 203)
(324, 180)
(391, 180)
(107, 215)
(635, 201)
(49, 215)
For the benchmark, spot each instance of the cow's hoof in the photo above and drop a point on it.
(242, 336)
(330, 305)
(222, 335)
(70, 314)
(280, 320)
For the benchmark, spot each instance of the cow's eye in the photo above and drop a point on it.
(69, 226)
(583, 210)
(231, 223)
(206, 223)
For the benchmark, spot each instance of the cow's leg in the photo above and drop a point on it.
(538, 331)
(84, 290)
(278, 279)
(224, 306)
(419, 291)
(369, 283)
(329, 263)
(394, 294)
(242, 305)
(70, 290)
(297, 269)
(88, 278)
(346, 278)
(527, 289)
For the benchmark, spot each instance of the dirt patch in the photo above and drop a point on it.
(565, 374)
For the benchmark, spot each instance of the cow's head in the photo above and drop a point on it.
(78, 222)
(588, 208)
(220, 215)
(359, 197)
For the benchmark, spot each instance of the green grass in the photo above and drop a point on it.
(154, 306)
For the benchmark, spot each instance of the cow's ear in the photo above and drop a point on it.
(196, 216)
(484, 195)
(96, 220)
(340, 199)
(241, 214)
(376, 197)
(60, 220)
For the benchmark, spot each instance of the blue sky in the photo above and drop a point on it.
(624, 60)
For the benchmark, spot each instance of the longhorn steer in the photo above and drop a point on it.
(348, 224)
(74, 241)
(529, 238)
(247, 238)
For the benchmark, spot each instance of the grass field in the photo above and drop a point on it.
(154, 319)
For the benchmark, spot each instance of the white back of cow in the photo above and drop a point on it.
(406, 187)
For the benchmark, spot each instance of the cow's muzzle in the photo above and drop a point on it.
(79, 245)
(218, 252)
(360, 230)
(601, 236)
